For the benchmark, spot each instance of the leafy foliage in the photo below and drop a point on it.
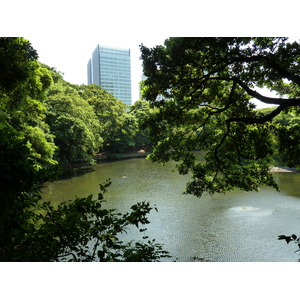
(26, 145)
(26, 142)
(291, 238)
(38, 108)
(84, 230)
(86, 120)
(73, 122)
(109, 111)
(288, 137)
(121, 124)
(139, 112)
(200, 90)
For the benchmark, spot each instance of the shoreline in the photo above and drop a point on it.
(283, 170)
(79, 168)
(82, 167)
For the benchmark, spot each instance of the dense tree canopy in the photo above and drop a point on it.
(198, 92)
(201, 90)
(86, 120)
(45, 120)
(26, 145)
(140, 110)
(111, 114)
(73, 122)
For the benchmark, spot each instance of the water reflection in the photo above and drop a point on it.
(238, 226)
(289, 183)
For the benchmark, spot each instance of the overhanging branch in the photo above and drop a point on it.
(270, 61)
(261, 120)
(260, 97)
(264, 99)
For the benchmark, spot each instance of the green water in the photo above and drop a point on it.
(238, 226)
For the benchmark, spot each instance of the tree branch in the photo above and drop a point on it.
(261, 120)
(67, 254)
(260, 97)
(272, 64)
(264, 99)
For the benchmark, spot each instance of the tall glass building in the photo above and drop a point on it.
(110, 68)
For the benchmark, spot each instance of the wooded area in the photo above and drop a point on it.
(197, 97)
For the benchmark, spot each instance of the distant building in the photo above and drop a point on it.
(110, 68)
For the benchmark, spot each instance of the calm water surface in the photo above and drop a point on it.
(236, 227)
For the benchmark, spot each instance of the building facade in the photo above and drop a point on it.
(111, 69)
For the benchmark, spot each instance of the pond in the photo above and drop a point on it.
(237, 227)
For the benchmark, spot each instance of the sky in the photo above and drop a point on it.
(65, 33)
(72, 60)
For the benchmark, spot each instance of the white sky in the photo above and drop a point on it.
(72, 55)
(65, 33)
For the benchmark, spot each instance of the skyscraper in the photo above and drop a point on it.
(110, 68)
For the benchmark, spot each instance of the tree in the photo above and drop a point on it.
(30, 229)
(84, 230)
(73, 122)
(121, 124)
(111, 114)
(26, 144)
(140, 110)
(201, 90)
